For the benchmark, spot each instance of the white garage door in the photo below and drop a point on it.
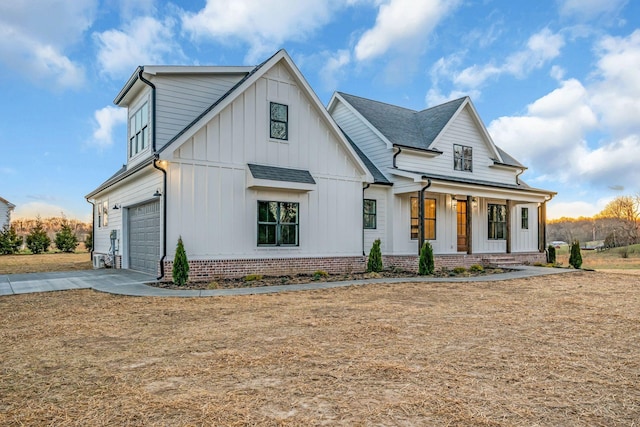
(144, 237)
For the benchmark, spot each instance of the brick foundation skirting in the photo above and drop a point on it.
(203, 270)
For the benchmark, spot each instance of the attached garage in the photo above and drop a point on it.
(144, 237)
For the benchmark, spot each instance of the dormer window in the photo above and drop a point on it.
(139, 130)
(462, 158)
(279, 121)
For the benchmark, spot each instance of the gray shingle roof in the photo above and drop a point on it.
(281, 174)
(378, 177)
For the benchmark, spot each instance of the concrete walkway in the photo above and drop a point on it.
(132, 283)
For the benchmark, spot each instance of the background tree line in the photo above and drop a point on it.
(618, 224)
(38, 234)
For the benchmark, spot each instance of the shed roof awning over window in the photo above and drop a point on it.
(261, 176)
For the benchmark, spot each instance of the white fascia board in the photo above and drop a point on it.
(195, 69)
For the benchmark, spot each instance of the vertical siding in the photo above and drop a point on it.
(214, 211)
(380, 195)
(4, 214)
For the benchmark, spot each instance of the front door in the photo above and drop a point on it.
(461, 220)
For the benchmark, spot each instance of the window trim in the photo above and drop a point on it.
(272, 120)
(425, 219)
(524, 218)
(463, 158)
(139, 137)
(278, 225)
(495, 235)
(370, 215)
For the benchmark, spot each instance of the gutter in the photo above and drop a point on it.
(421, 214)
(364, 188)
(396, 155)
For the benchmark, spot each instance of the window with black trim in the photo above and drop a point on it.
(429, 219)
(278, 223)
(497, 222)
(279, 121)
(370, 214)
(462, 158)
(139, 130)
(524, 218)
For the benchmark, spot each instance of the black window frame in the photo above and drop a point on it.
(524, 218)
(273, 120)
(496, 221)
(139, 132)
(278, 224)
(368, 215)
(464, 161)
(415, 230)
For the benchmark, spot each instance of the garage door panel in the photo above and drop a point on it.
(144, 237)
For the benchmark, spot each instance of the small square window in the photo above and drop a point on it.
(462, 158)
(278, 223)
(279, 119)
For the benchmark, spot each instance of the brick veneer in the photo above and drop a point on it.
(202, 270)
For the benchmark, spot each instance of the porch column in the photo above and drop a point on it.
(508, 226)
(542, 226)
(420, 220)
(469, 225)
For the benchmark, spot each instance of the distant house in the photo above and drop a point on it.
(440, 178)
(5, 212)
(256, 176)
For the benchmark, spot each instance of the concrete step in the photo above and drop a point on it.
(500, 261)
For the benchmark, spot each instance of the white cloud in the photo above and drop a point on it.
(263, 24)
(143, 41)
(589, 9)
(558, 209)
(401, 22)
(333, 68)
(33, 209)
(34, 36)
(107, 119)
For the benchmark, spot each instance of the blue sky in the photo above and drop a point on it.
(556, 82)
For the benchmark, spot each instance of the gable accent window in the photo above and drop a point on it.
(462, 158)
(369, 214)
(497, 222)
(279, 118)
(278, 224)
(524, 218)
(429, 219)
(139, 130)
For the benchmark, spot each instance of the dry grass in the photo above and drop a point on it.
(560, 350)
(10, 264)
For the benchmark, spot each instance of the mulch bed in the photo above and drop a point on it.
(261, 281)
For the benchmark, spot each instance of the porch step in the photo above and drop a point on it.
(500, 261)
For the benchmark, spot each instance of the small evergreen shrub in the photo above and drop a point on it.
(180, 265)
(575, 259)
(426, 264)
(318, 274)
(252, 277)
(476, 268)
(10, 242)
(551, 255)
(624, 252)
(374, 264)
(459, 270)
(37, 240)
(88, 241)
(66, 240)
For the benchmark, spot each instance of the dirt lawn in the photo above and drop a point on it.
(559, 350)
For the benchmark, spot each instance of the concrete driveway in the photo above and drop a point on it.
(11, 284)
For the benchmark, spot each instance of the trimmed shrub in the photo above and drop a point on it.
(459, 270)
(575, 259)
(252, 277)
(551, 255)
(426, 264)
(66, 240)
(318, 274)
(37, 240)
(476, 268)
(180, 265)
(88, 241)
(374, 264)
(10, 242)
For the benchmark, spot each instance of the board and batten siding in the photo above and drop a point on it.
(463, 131)
(183, 97)
(4, 214)
(214, 211)
(124, 195)
(382, 230)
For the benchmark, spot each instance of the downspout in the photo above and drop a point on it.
(421, 214)
(164, 215)
(518, 176)
(93, 227)
(364, 188)
(396, 155)
(156, 157)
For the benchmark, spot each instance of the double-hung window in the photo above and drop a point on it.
(369, 214)
(429, 219)
(497, 222)
(139, 130)
(524, 218)
(279, 121)
(462, 158)
(278, 224)
(103, 213)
